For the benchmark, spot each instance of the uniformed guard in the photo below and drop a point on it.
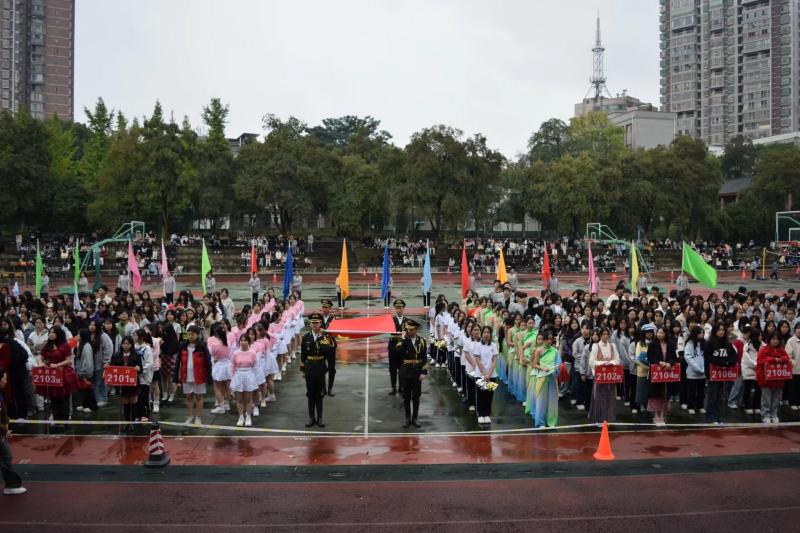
(395, 357)
(314, 352)
(327, 318)
(413, 368)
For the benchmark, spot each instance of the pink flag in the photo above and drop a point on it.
(164, 264)
(592, 272)
(133, 268)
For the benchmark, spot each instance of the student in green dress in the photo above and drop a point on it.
(544, 369)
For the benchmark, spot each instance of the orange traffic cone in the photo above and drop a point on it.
(274, 278)
(157, 455)
(744, 275)
(604, 452)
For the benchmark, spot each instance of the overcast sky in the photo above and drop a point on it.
(497, 67)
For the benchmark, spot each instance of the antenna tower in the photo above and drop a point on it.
(598, 79)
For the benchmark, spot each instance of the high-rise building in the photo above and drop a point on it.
(730, 67)
(37, 49)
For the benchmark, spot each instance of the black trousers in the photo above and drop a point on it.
(484, 401)
(60, 407)
(426, 299)
(143, 404)
(412, 390)
(464, 384)
(457, 371)
(471, 392)
(754, 401)
(451, 367)
(387, 299)
(315, 393)
(168, 297)
(330, 360)
(11, 479)
(254, 298)
(441, 356)
(394, 368)
(695, 393)
(794, 396)
(630, 389)
(585, 392)
(339, 300)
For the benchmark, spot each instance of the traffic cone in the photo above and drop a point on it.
(157, 455)
(604, 452)
(274, 278)
(744, 275)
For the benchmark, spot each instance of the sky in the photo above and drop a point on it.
(499, 68)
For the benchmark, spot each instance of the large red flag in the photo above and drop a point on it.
(253, 259)
(546, 267)
(361, 327)
(464, 271)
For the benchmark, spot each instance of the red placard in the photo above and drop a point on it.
(724, 373)
(608, 374)
(44, 376)
(121, 376)
(660, 374)
(778, 371)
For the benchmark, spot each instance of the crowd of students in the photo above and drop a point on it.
(188, 343)
(549, 349)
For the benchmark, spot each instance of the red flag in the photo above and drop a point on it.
(359, 328)
(464, 271)
(253, 260)
(546, 268)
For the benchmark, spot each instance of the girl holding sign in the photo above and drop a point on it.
(604, 406)
(718, 351)
(772, 389)
(660, 352)
(695, 370)
(56, 353)
(127, 356)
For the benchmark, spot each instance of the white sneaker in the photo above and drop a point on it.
(480, 420)
(732, 406)
(15, 492)
(702, 411)
(684, 406)
(272, 398)
(263, 403)
(102, 404)
(278, 377)
(256, 411)
(218, 410)
(619, 398)
(758, 411)
(794, 407)
(573, 401)
(691, 411)
(226, 407)
(524, 404)
(248, 422)
(581, 407)
(634, 411)
(189, 420)
(626, 404)
(198, 421)
(240, 422)
(487, 420)
(748, 411)
(459, 390)
(87, 410)
(765, 420)
(283, 368)
(471, 408)
(775, 420)
(79, 409)
(156, 407)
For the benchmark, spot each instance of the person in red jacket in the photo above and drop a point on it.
(192, 372)
(771, 389)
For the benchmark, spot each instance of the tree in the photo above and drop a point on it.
(480, 179)
(549, 142)
(69, 197)
(778, 176)
(739, 158)
(338, 132)
(24, 168)
(96, 147)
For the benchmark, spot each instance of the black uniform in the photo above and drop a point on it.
(326, 321)
(395, 357)
(414, 363)
(314, 354)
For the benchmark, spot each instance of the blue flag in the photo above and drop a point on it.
(289, 273)
(386, 273)
(426, 272)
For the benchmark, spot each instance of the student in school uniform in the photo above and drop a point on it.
(192, 372)
(244, 381)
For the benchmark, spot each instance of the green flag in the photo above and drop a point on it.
(39, 270)
(694, 265)
(205, 266)
(77, 256)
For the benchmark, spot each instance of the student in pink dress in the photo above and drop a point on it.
(221, 369)
(243, 382)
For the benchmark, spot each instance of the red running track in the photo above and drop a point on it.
(406, 450)
(726, 501)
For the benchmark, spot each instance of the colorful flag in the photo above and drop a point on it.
(634, 269)
(164, 262)
(205, 266)
(344, 277)
(39, 270)
(77, 258)
(694, 265)
(546, 268)
(386, 273)
(502, 275)
(76, 300)
(253, 259)
(288, 273)
(133, 268)
(464, 271)
(427, 281)
(592, 272)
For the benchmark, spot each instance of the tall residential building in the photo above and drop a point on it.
(730, 67)
(37, 49)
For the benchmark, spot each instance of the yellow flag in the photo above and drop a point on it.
(634, 269)
(502, 275)
(344, 278)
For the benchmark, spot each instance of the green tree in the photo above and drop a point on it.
(778, 176)
(68, 195)
(739, 158)
(548, 143)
